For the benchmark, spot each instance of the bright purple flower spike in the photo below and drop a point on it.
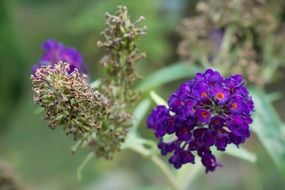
(55, 52)
(204, 112)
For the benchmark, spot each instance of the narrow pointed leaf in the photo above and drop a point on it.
(139, 113)
(268, 127)
(241, 153)
(168, 74)
(157, 99)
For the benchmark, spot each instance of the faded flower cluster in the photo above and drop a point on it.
(122, 53)
(97, 117)
(225, 30)
(68, 99)
(245, 13)
(204, 112)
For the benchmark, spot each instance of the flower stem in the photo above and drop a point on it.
(189, 175)
(167, 172)
(87, 159)
(159, 163)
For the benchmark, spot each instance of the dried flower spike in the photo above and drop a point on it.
(245, 13)
(68, 99)
(226, 34)
(119, 41)
(120, 38)
(204, 112)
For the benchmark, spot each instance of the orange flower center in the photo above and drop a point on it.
(184, 130)
(220, 96)
(204, 95)
(234, 105)
(217, 122)
(204, 114)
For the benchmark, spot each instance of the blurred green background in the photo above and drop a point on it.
(41, 156)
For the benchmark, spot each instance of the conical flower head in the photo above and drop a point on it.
(68, 99)
(208, 111)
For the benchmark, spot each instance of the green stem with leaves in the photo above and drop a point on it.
(169, 174)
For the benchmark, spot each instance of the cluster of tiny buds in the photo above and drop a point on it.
(119, 41)
(68, 99)
(121, 32)
(229, 22)
(251, 13)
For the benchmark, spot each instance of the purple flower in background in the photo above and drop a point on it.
(216, 37)
(214, 40)
(55, 52)
(208, 111)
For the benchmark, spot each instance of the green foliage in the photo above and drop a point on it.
(173, 72)
(157, 99)
(241, 153)
(11, 65)
(139, 113)
(269, 128)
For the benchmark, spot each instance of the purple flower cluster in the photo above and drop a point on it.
(55, 52)
(207, 111)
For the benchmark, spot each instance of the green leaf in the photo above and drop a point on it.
(274, 96)
(168, 74)
(268, 127)
(139, 113)
(150, 188)
(241, 153)
(96, 83)
(157, 99)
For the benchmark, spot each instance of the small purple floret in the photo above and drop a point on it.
(55, 52)
(208, 111)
